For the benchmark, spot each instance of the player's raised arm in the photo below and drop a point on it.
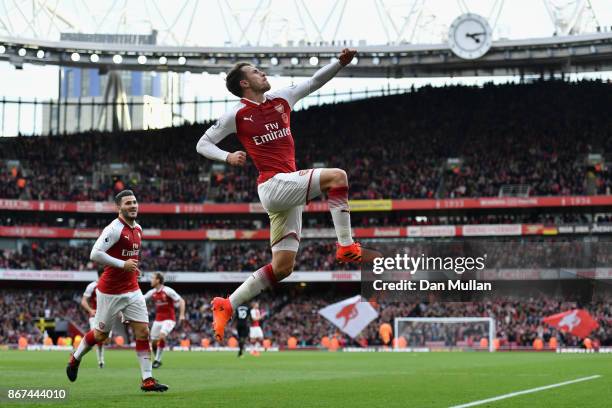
(294, 93)
(207, 145)
(107, 239)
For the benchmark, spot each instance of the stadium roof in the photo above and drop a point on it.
(574, 53)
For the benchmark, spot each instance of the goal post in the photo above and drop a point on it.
(414, 330)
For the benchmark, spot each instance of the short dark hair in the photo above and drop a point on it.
(160, 277)
(233, 78)
(121, 194)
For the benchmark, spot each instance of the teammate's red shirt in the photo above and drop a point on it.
(123, 242)
(264, 128)
(165, 299)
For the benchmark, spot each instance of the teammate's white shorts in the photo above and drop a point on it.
(131, 304)
(164, 326)
(283, 197)
(255, 332)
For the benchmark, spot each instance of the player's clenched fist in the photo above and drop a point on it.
(237, 158)
(346, 56)
(130, 265)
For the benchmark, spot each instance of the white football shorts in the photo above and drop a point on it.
(283, 197)
(131, 304)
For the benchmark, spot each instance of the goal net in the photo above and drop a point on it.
(445, 333)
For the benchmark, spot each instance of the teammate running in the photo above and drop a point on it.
(118, 248)
(165, 299)
(261, 121)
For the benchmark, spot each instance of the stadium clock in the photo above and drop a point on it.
(470, 36)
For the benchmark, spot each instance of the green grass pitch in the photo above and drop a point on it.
(316, 379)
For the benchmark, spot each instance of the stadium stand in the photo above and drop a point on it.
(518, 322)
(535, 135)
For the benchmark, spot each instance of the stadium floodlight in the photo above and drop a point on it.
(94, 58)
(163, 60)
(75, 56)
(294, 61)
(313, 60)
(2, 49)
(375, 60)
(142, 59)
(182, 60)
(117, 59)
(22, 52)
(395, 60)
(440, 332)
(274, 61)
(40, 54)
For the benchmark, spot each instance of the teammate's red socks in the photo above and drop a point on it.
(143, 351)
(90, 338)
(88, 341)
(143, 346)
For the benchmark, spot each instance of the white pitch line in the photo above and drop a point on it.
(529, 391)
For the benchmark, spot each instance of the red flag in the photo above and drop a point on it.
(577, 322)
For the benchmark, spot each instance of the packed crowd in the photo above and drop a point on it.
(58, 255)
(317, 254)
(293, 313)
(310, 220)
(530, 134)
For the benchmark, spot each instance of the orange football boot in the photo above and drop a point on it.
(222, 313)
(349, 253)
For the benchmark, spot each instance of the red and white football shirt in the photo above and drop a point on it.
(165, 299)
(264, 128)
(122, 242)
